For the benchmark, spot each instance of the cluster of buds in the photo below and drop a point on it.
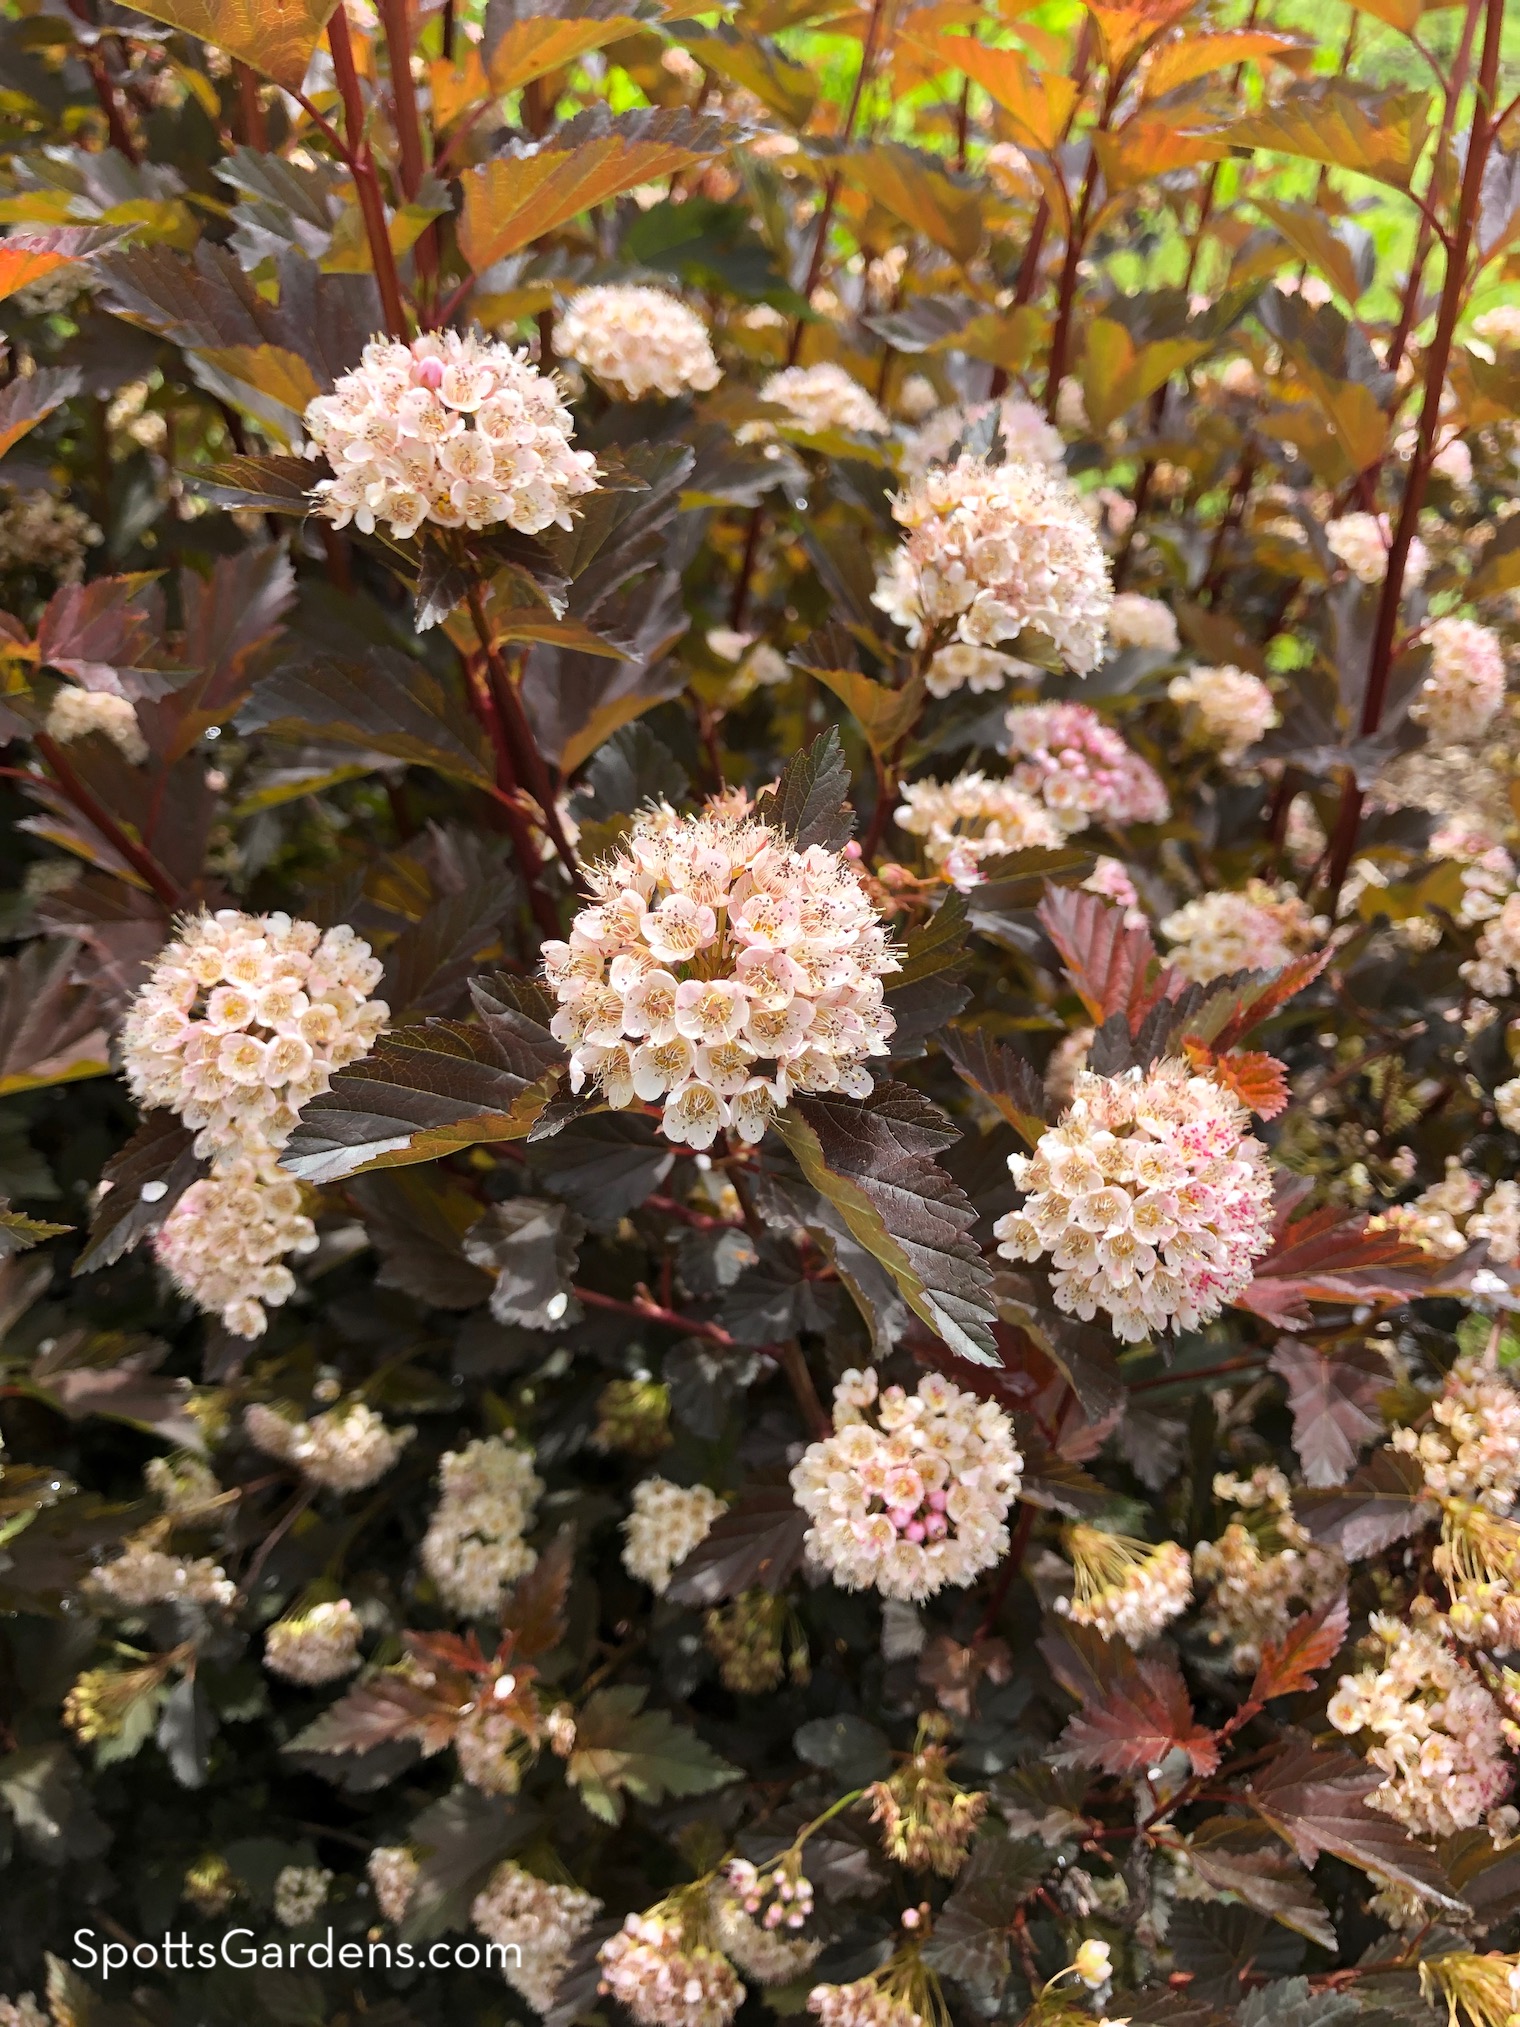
(474, 1548)
(344, 1449)
(538, 1922)
(748, 1638)
(663, 1968)
(779, 1896)
(927, 1820)
(315, 1646)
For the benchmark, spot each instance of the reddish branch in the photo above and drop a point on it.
(1386, 632)
(395, 19)
(360, 162)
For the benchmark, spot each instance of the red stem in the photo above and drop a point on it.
(396, 21)
(1409, 308)
(528, 763)
(361, 164)
(137, 856)
(250, 108)
(1385, 636)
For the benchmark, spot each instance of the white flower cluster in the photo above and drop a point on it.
(1136, 621)
(1080, 768)
(300, 1892)
(865, 2003)
(544, 1920)
(241, 1022)
(667, 1978)
(1229, 710)
(23, 2012)
(637, 341)
(491, 1747)
(1435, 1219)
(1497, 965)
(1497, 1225)
(665, 1525)
(1125, 1589)
(1499, 327)
(226, 1240)
(1437, 1734)
(1150, 1196)
(711, 949)
(1259, 928)
(344, 1449)
(1488, 870)
(453, 430)
(182, 1484)
(1264, 1570)
(769, 1956)
(1362, 543)
(960, 666)
(1473, 1451)
(146, 1574)
(42, 533)
(819, 398)
(75, 714)
(474, 1548)
(915, 1499)
(971, 818)
(1461, 696)
(1023, 429)
(993, 549)
(315, 1646)
(393, 1872)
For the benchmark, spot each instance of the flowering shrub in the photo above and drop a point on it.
(759, 1051)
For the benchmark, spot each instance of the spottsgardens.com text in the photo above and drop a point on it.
(239, 1949)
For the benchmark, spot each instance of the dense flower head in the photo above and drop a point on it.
(820, 398)
(1125, 1589)
(961, 666)
(1136, 621)
(474, 1548)
(40, 532)
(993, 549)
(665, 1975)
(1472, 1451)
(1227, 709)
(1497, 1224)
(1435, 1220)
(393, 1870)
(1461, 696)
(300, 1892)
(543, 1919)
(146, 1573)
(1259, 928)
(344, 1449)
(1499, 327)
(1496, 967)
(1151, 1198)
(778, 1895)
(718, 970)
(317, 1645)
(756, 1640)
(182, 1484)
(1488, 869)
(1021, 426)
(1264, 1570)
(637, 341)
(227, 1239)
(769, 1955)
(665, 1524)
(75, 714)
(911, 1492)
(974, 817)
(865, 2003)
(1435, 1732)
(1362, 542)
(1080, 768)
(452, 429)
(1479, 1558)
(243, 1020)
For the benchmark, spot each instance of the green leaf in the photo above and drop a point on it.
(809, 802)
(621, 1749)
(872, 1161)
(1117, 374)
(386, 703)
(19, 1233)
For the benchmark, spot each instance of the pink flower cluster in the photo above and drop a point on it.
(719, 970)
(1461, 696)
(1080, 768)
(451, 429)
(1151, 1198)
(664, 1977)
(915, 1500)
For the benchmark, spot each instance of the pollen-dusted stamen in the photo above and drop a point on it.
(1123, 1588)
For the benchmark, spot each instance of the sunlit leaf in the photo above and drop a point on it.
(274, 37)
(30, 398)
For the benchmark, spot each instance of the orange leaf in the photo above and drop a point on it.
(1258, 1080)
(1288, 1665)
(1039, 107)
(456, 87)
